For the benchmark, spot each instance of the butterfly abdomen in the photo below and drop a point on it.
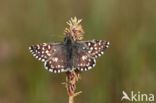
(69, 55)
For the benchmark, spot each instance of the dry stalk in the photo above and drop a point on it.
(72, 78)
(76, 31)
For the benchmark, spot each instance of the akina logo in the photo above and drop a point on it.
(137, 96)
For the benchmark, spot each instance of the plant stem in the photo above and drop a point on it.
(72, 78)
(71, 99)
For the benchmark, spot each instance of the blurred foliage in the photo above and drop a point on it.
(129, 64)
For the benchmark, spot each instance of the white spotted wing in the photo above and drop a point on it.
(52, 54)
(82, 60)
(86, 52)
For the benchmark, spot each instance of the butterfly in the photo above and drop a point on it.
(69, 55)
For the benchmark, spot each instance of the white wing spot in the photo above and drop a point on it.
(55, 71)
(62, 70)
(88, 64)
(99, 43)
(50, 62)
(91, 48)
(55, 59)
(89, 67)
(99, 54)
(108, 43)
(89, 60)
(43, 60)
(43, 48)
(93, 65)
(48, 54)
(59, 66)
(46, 67)
(44, 44)
(59, 71)
(47, 51)
(51, 70)
(38, 46)
(84, 57)
(29, 48)
(48, 46)
(89, 51)
(94, 60)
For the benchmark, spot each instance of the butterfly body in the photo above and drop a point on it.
(69, 55)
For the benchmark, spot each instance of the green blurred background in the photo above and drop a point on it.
(129, 64)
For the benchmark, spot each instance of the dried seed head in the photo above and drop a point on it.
(75, 29)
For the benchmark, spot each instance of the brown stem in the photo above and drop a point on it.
(71, 99)
(72, 78)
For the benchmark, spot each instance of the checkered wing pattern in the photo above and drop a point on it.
(86, 52)
(94, 48)
(82, 60)
(52, 54)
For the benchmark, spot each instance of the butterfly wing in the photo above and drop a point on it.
(85, 53)
(82, 60)
(94, 48)
(52, 54)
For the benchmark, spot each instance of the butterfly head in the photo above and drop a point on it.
(68, 39)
